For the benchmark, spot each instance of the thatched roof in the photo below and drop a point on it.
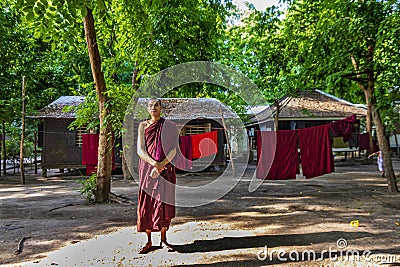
(55, 109)
(173, 108)
(313, 105)
(192, 108)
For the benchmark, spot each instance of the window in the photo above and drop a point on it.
(196, 129)
(79, 132)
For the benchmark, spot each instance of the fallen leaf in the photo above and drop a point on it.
(355, 223)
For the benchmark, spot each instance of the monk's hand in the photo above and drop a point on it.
(154, 173)
(160, 167)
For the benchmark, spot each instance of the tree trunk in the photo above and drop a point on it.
(4, 148)
(276, 117)
(104, 165)
(373, 112)
(384, 147)
(135, 81)
(383, 144)
(125, 170)
(382, 141)
(368, 121)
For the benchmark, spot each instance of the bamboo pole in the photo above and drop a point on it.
(21, 147)
(228, 142)
(35, 137)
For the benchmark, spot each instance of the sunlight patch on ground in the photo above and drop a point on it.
(121, 248)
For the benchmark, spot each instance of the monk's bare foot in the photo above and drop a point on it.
(169, 247)
(146, 248)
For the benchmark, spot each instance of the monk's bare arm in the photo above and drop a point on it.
(141, 147)
(171, 154)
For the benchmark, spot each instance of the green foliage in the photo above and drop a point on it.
(325, 35)
(13, 134)
(307, 47)
(87, 113)
(149, 37)
(257, 48)
(88, 187)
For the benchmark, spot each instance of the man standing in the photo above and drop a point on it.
(156, 147)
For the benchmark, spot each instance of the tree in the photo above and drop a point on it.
(258, 48)
(146, 36)
(59, 21)
(337, 40)
(103, 182)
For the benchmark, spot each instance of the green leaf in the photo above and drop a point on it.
(83, 12)
(20, 3)
(37, 34)
(30, 15)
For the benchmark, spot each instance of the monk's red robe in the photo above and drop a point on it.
(156, 200)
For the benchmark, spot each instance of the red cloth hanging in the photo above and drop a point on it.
(90, 144)
(183, 160)
(90, 147)
(315, 151)
(277, 156)
(363, 141)
(204, 145)
(343, 128)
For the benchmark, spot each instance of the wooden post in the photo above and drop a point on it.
(21, 147)
(4, 148)
(227, 141)
(35, 151)
(1, 141)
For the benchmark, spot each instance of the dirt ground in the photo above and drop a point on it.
(302, 222)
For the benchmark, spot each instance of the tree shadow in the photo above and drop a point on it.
(323, 258)
(271, 241)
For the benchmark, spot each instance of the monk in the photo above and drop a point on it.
(156, 147)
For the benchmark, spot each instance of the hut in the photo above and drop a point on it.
(195, 116)
(306, 109)
(62, 147)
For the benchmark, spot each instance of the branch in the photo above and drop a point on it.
(357, 76)
(21, 245)
(120, 199)
(67, 205)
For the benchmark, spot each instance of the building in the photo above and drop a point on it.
(306, 109)
(62, 147)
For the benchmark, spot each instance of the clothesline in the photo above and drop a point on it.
(71, 131)
(280, 160)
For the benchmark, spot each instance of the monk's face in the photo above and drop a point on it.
(154, 108)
